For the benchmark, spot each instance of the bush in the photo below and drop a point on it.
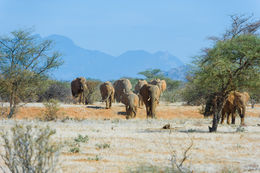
(57, 90)
(82, 139)
(96, 158)
(103, 146)
(51, 110)
(29, 149)
(93, 94)
(75, 149)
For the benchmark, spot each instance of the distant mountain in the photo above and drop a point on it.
(98, 65)
(178, 73)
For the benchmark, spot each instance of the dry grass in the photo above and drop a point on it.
(137, 141)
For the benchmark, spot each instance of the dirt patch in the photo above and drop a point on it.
(116, 112)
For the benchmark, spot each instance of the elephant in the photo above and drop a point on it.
(236, 101)
(121, 86)
(160, 83)
(78, 89)
(130, 100)
(138, 86)
(150, 94)
(107, 93)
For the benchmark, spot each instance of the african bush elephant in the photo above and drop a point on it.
(78, 89)
(236, 101)
(130, 100)
(107, 93)
(150, 94)
(121, 86)
(138, 86)
(160, 83)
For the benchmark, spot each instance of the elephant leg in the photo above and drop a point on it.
(229, 117)
(80, 98)
(223, 117)
(131, 112)
(135, 111)
(83, 99)
(127, 112)
(242, 115)
(141, 102)
(126, 109)
(110, 101)
(147, 111)
(107, 104)
(233, 117)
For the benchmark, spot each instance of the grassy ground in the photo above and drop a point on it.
(118, 145)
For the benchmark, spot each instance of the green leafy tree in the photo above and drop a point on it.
(152, 74)
(171, 94)
(25, 61)
(233, 63)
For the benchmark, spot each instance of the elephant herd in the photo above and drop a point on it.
(148, 93)
(144, 93)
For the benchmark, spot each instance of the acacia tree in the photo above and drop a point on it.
(232, 63)
(25, 61)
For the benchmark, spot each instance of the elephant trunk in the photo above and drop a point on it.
(153, 106)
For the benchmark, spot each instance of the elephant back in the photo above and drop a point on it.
(160, 83)
(121, 86)
(241, 99)
(134, 99)
(139, 85)
(129, 98)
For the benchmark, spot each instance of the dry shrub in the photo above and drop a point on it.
(57, 90)
(51, 110)
(177, 161)
(29, 149)
(3, 110)
(93, 94)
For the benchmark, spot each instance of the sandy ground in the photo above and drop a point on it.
(139, 141)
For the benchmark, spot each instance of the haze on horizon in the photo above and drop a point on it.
(179, 27)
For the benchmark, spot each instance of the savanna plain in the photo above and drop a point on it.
(114, 144)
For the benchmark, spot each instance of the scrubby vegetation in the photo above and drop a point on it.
(58, 90)
(51, 110)
(30, 149)
(93, 94)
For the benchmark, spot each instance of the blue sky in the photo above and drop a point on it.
(114, 26)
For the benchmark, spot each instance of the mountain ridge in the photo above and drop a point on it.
(96, 64)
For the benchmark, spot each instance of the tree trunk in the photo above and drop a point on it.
(12, 110)
(218, 106)
(13, 104)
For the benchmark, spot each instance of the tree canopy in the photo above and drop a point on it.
(232, 63)
(25, 61)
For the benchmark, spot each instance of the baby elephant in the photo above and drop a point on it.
(131, 102)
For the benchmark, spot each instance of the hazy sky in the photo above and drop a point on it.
(114, 26)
